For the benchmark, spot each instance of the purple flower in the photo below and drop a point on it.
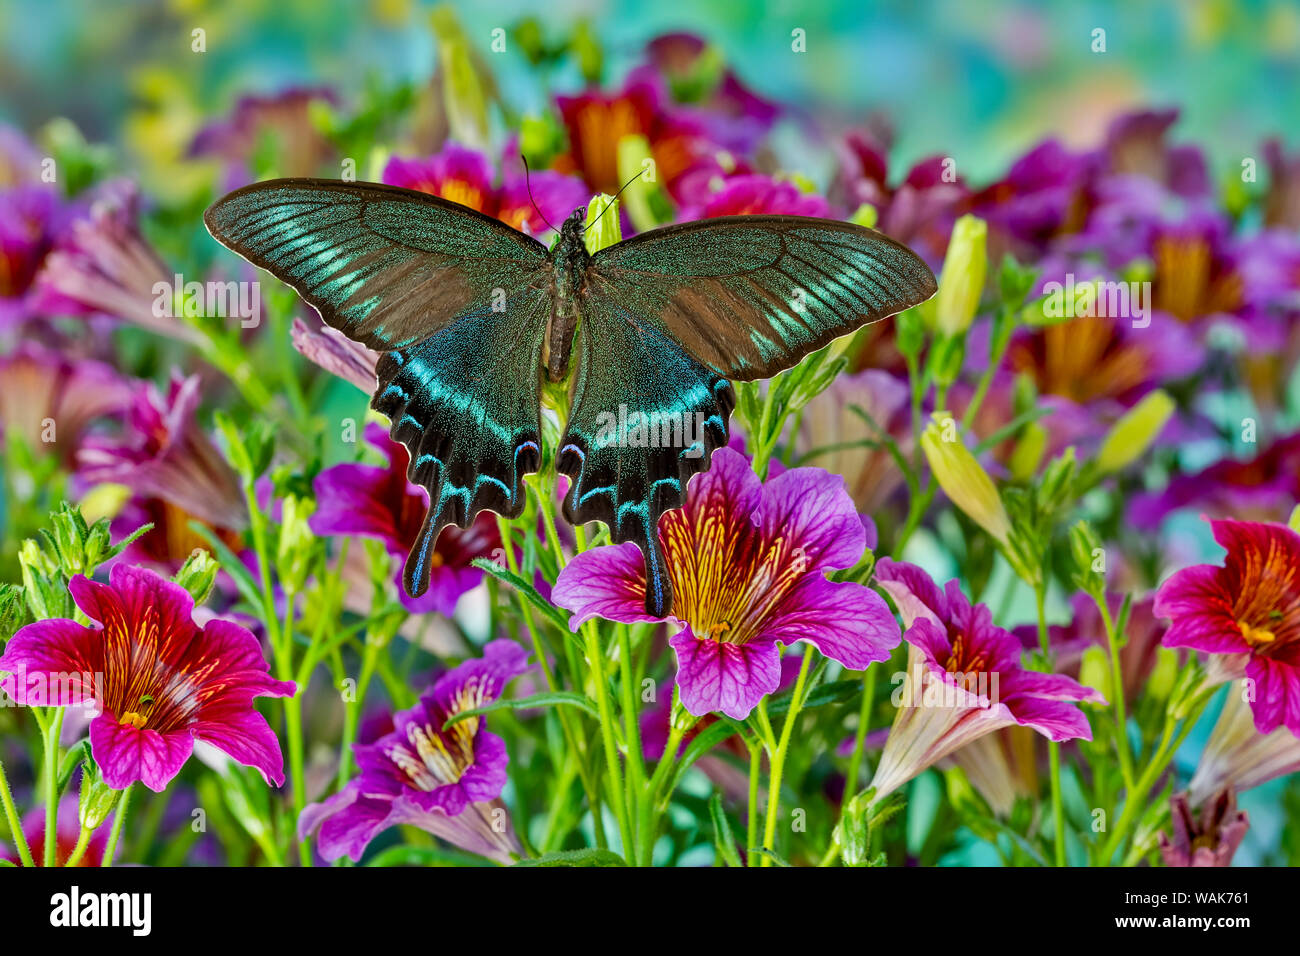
(1136, 146)
(51, 400)
(102, 264)
(380, 502)
(1206, 840)
(164, 454)
(965, 680)
(1248, 611)
(1263, 488)
(1043, 196)
(285, 116)
(156, 680)
(918, 211)
(747, 562)
(465, 175)
(441, 779)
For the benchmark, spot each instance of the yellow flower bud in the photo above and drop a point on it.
(961, 282)
(962, 478)
(1134, 432)
(603, 226)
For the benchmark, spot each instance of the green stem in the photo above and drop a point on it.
(596, 658)
(632, 729)
(860, 738)
(119, 819)
(778, 758)
(1117, 692)
(83, 840)
(1053, 748)
(751, 822)
(52, 787)
(15, 824)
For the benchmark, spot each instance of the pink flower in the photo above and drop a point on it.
(157, 680)
(748, 565)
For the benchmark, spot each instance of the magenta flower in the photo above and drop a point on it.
(380, 502)
(164, 454)
(421, 774)
(1043, 196)
(1248, 609)
(465, 176)
(31, 218)
(754, 194)
(964, 680)
(284, 116)
(1209, 839)
(747, 562)
(158, 681)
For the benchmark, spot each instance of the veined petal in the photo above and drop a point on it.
(846, 621)
(126, 754)
(606, 582)
(730, 678)
(244, 736)
(914, 592)
(813, 509)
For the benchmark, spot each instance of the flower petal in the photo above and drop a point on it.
(847, 622)
(730, 678)
(812, 508)
(914, 592)
(245, 736)
(606, 582)
(126, 754)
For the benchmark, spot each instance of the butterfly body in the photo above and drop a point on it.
(470, 316)
(570, 258)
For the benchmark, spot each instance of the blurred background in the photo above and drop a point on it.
(981, 82)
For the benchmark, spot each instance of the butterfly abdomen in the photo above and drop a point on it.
(570, 260)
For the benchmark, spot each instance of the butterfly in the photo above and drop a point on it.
(470, 316)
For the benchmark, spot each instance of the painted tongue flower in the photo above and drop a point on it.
(336, 353)
(747, 562)
(755, 194)
(379, 502)
(465, 175)
(1208, 840)
(965, 680)
(104, 265)
(1238, 756)
(164, 454)
(159, 681)
(51, 400)
(420, 774)
(1247, 609)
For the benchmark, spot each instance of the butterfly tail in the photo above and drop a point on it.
(419, 562)
(658, 585)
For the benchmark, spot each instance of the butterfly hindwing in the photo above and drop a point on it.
(645, 416)
(465, 402)
(457, 306)
(383, 265)
(751, 295)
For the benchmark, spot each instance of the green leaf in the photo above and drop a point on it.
(723, 838)
(544, 699)
(833, 693)
(587, 857)
(703, 742)
(534, 597)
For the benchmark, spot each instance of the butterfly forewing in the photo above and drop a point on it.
(456, 303)
(751, 295)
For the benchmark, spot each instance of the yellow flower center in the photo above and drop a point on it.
(133, 719)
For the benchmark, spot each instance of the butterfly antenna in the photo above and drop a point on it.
(609, 205)
(528, 186)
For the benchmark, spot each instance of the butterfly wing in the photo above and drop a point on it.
(751, 295)
(457, 304)
(670, 316)
(645, 416)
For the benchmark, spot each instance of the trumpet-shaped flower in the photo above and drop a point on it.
(158, 681)
(425, 774)
(965, 680)
(747, 562)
